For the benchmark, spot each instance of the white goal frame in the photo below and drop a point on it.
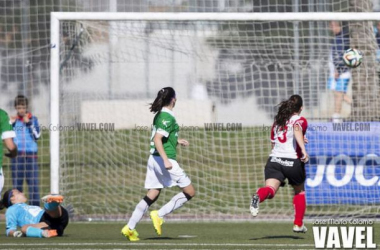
(56, 17)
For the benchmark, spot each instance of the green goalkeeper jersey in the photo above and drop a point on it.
(165, 124)
(6, 131)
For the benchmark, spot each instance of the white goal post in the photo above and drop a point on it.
(56, 58)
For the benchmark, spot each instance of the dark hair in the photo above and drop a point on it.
(164, 97)
(286, 109)
(7, 198)
(21, 100)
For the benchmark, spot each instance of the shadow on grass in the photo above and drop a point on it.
(279, 237)
(162, 238)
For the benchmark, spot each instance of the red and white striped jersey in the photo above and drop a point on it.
(285, 144)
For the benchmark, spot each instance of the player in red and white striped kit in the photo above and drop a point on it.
(287, 160)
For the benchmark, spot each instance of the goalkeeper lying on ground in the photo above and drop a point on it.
(33, 220)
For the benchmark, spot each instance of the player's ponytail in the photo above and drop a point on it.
(286, 109)
(164, 97)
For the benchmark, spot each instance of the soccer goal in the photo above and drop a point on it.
(230, 70)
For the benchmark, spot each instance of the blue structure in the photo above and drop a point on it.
(344, 165)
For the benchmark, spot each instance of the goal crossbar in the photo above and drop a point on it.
(267, 16)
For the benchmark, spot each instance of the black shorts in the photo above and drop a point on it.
(285, 168)
(58, 224)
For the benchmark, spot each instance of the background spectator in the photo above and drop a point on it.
(340, 74)
(25, 165)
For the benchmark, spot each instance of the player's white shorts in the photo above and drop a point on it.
(157, 176)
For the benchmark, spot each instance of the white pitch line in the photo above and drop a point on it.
(187, 236)
(49, 248)
(156, 244)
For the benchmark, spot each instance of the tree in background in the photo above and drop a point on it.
(24, 42)
(365, 86)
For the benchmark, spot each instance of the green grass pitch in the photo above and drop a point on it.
(176, 235)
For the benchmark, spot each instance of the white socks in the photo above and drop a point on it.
(176, 202)
(139, 212)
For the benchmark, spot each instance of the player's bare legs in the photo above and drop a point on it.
(347, 99)
(339, 98)
(190, 190)
(263, 193)
(299, 203)
(273, 183)
(153, 193)
(299, 188)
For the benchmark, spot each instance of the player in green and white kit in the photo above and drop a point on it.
(7, 135)
(163, 169)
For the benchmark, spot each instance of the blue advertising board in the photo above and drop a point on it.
(344, 166)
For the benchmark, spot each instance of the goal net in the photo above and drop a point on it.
(229, 71)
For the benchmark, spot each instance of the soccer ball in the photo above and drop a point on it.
(352, 58)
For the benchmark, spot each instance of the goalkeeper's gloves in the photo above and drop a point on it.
(17, 234)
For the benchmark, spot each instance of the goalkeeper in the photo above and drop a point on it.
(163, 169)
(33, 220)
